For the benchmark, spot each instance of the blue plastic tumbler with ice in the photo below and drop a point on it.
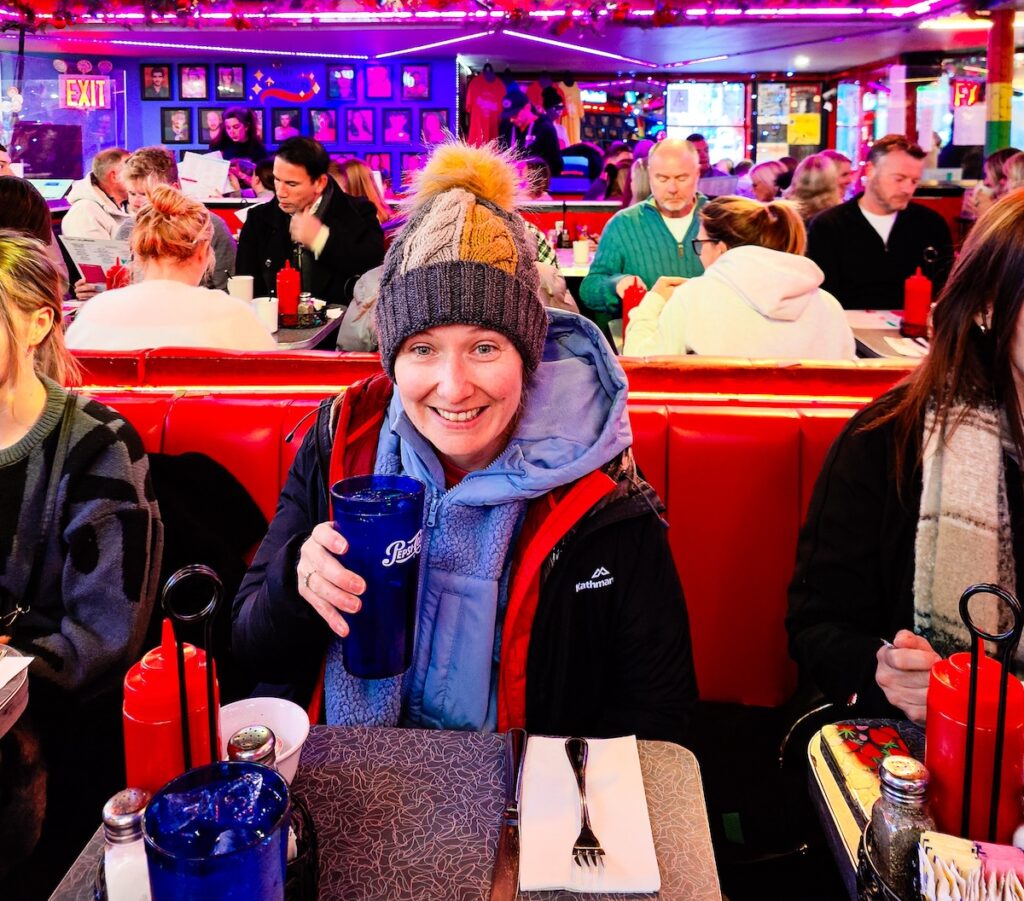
(381, 517)
(218, 832)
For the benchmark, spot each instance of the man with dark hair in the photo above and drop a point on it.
(331, 237)
(868, 246)
(618, 152)
(700, 144)
(532, 134)
(5, 161)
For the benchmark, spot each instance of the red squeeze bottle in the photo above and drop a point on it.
(152, 714)
(117, 276)
(288, 289)
(917, 301)
(634, 293)
(945, 746)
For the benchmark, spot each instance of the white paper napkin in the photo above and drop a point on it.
(550, 819)
(10, 666)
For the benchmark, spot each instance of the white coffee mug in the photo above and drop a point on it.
(581, 252)
(240, 286)
(266, 311)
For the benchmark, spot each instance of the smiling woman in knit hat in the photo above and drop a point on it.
(548, 595)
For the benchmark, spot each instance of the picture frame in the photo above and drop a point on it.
(342, 83)
(433, 126)
(416, 82)
(229, 81)
(380, 161)
(210, 121)
(323, 125)
(285, 122)
(410, 163)
(359, 125)
(155, 81)
(193, 81)
(397, 125)
(377, 82)
(176, 125)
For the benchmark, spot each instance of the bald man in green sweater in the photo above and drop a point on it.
(650, 240)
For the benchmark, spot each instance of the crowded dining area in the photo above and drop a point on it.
(493, 450)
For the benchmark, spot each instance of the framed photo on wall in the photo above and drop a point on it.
(359, 126)
(397, 124)
(380, 162)
(176, 125)
(341, 83)
(416, 82)
(378, 82)
(433, 126)
(230, 81)
(410, 163)
(193, 82)
(211, 123)
(156, 81)
(286, 123)
(323, 125)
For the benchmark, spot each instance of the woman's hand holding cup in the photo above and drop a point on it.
(324, 582)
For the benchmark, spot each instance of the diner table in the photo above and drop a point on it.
(415, 814)
(317, 337)
(841, 817)
(877, 333)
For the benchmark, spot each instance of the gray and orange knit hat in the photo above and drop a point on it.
(462, 257)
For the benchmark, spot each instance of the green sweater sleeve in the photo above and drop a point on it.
(609, 265)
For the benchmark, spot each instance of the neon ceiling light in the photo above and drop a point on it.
(417, 49)
(579, 48)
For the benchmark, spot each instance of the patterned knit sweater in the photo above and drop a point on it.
(636, 241)
(96, 579)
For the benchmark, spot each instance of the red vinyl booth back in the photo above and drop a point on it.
(735, 479)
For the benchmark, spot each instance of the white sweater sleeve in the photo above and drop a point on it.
(656, 326)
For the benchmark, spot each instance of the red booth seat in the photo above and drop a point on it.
(735, 471)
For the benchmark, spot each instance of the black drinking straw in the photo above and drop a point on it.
(205, 615)
(1006, 645)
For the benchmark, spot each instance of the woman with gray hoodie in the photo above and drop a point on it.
(758, 296)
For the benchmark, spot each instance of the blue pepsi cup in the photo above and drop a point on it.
(218, 832)
(381, 518)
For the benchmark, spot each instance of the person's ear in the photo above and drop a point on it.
(39, 325)
(320, 184)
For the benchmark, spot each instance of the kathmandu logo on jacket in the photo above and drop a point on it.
(400, 551)
(600, 579)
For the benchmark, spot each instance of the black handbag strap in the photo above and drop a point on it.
(23, 603)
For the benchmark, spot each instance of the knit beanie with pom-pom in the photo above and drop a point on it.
(462, 257)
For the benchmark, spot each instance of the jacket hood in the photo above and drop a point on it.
(575, 421)
(84, 189)
(778, 285)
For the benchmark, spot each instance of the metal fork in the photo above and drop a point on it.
(587, 850)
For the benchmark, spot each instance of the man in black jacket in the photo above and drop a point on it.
(868, 246)
(532, 134)
(332, 237)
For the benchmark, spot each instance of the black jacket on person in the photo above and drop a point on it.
(854, 579)
(603, 659)
(863, 273)
(250, 149)
(540, 140)
(355, 245)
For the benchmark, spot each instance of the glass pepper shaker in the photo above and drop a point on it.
(898, 818)
(306, 311)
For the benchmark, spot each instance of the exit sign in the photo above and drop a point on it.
(85, 92)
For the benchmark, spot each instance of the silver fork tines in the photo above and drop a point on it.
(587, 850)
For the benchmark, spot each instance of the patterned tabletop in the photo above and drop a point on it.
(411, 814)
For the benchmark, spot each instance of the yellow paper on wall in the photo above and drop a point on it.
(804, 128)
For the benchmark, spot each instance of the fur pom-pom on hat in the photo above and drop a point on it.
(462, 257)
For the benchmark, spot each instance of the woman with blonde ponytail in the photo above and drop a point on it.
(758, 297)
(165, 307)
(80, 547)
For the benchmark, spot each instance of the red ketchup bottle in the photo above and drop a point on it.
(152, 714)
(917, 301)
(117, 276)
(288, 289)
(633, 294)
(945, 737)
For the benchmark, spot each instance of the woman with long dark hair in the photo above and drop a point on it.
(921, 494)
(238, 138)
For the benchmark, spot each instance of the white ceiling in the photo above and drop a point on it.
(749, 46)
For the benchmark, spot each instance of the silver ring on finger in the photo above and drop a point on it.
(307, 577)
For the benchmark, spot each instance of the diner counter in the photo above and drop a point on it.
(413, 814)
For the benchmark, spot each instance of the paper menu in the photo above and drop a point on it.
(94, 257)
(204, 174)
